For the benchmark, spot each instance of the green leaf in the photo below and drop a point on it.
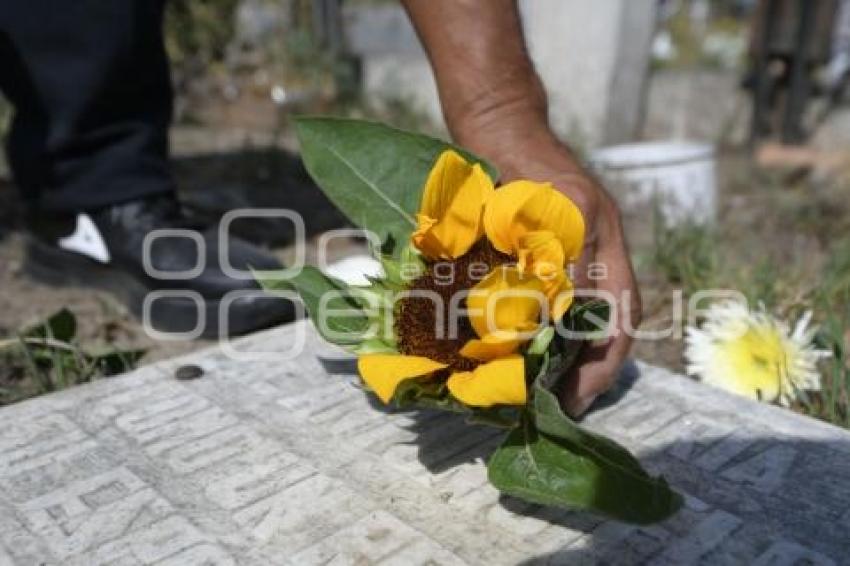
(623, 489)
(535, 468)
(392, 269)
(435, 395)
(550, 459)
(373, 173)
(374, 346)
(584, 317)
(500, 417)
(588, 317)
(350, 325)
(540, 343)
(61, 326)
(426, 395)
(549, 470)
(113, 362)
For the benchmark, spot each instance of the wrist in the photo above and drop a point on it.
(513, 133)
(491, 117)
(495, 129)
(535, 153)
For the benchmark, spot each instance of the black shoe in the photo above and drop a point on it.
(104, 249)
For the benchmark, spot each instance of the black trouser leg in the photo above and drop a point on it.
(90, 85)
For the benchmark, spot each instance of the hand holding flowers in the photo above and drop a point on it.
(488, 341)
(527, 231)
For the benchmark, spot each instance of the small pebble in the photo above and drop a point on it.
(188, 372)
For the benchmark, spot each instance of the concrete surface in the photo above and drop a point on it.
(273, 459)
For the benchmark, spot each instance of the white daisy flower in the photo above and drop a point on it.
(753, 354)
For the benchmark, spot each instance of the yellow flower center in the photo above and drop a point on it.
(760, 360)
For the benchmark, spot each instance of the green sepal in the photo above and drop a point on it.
(422, 394)
(375, 296)
(392, 270)
(426, 395)
(412, 265)
(589, 318)
(540, 343)
(384, 284)
(401, 272)
(374, 346)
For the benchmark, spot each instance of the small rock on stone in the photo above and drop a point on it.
(188, 372)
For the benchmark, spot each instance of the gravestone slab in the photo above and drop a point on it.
(275, 456)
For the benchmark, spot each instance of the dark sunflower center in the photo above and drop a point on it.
(420, 327)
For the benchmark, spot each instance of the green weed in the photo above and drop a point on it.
(46, 357)
(686, 255)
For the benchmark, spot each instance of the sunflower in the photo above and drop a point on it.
(754, 354)
(507, 250)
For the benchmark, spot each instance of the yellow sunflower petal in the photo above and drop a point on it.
(383, 372)
(450, 216)
(424, 239)
(512, 298)
(525, 206)
(491, 346)
(500, 382)
(540, 253)
(559, 291)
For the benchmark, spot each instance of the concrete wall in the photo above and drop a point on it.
(593, 56)
(630, 75)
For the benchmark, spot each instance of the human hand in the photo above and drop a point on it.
(606, 253)
(604, 266)
(495, 105)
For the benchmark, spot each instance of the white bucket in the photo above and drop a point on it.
(678, 177)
